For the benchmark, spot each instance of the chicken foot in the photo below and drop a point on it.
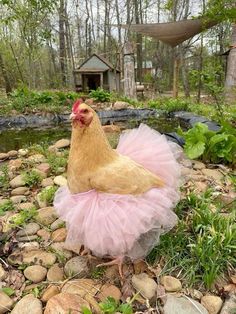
(116, 261)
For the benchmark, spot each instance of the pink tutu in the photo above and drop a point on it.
(125, 225)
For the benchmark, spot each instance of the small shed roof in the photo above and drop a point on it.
(89, 67)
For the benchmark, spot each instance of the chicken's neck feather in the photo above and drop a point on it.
(90, 147)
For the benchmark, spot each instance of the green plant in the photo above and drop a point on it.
(47, 194)
(32, 178)
(169, 104)
(8, 291)
(4, 178)
(6, 206)
(57, 162)
(98, 272)
(23, 217)
(203, 245)
(100, 95)
(110, 306)
(211, 146)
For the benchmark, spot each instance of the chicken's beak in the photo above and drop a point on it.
(72, 116)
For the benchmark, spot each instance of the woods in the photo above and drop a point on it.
(43, 42)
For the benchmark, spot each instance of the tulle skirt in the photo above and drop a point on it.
(126, 225)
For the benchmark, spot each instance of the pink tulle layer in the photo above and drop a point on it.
(125, 225)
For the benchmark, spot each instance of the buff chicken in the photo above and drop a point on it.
(117, 202)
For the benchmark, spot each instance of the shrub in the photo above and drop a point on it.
(100, 95)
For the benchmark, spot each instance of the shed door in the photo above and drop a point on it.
(93, 81)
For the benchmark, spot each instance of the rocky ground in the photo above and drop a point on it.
(39, 273)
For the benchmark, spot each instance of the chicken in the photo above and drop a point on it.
(93, 164)
(113, 204)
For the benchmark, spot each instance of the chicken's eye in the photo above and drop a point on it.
(85, 111)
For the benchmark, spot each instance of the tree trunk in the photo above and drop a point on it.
(5, 76)
(129, 71)
(230, 81)
(62, 43)
(138, 43)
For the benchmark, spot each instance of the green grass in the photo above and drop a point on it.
(4, 178)
(32, 178)
(203, 245)
(24, 216)
(47, 195)
(6, 206)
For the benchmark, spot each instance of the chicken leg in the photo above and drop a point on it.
(116, 261)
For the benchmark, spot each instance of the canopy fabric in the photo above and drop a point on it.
(172, 33)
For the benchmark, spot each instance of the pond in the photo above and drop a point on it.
(14, 139)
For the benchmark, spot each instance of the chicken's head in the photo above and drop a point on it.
(82, 114)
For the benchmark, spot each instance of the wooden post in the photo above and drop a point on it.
(129, 71)
(101, 80)
(176, 78)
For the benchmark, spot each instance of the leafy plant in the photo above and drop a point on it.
(8, 291)
(23, 217)
(6, 206)
(203, 245)
(110, 306)
(4, 178)
(47, 194)
(57, 162)
(32, 178)
(100, 95)
(211, 146)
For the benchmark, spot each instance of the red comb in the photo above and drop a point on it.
(76, 104)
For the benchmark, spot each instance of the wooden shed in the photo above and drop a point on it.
(97, 72)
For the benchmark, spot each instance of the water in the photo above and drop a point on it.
(14, 139)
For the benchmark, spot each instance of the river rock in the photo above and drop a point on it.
(171, 284)
(15, 164)
(28, 304)
(109, 290)
(41, 174)
(21, 190)
(26, 206)
(23, 152)
(37, 158)
(60, 180)
(44, 234)
(57, 224)
(49, 293)
(17, 181)
(76, 248)
(41, 203)
(59, 235)
(145, 285)
(212, 303)
(3, 273)
(213, 173)
(60, 248)
(35, 273)
(229, 305)
(27, 238)
(47, 182)
(12, 153)
(29, 229)
(29, 245)
(197, 165)
(3, 156)
(63, 143)
(182, 305)
(38, 257)
(119, 105)
(77, 267)
(85, 288)
(65, 303)
(44, 168)
(46, 216)
(55, 273)
(5, 303)
(17, 199)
